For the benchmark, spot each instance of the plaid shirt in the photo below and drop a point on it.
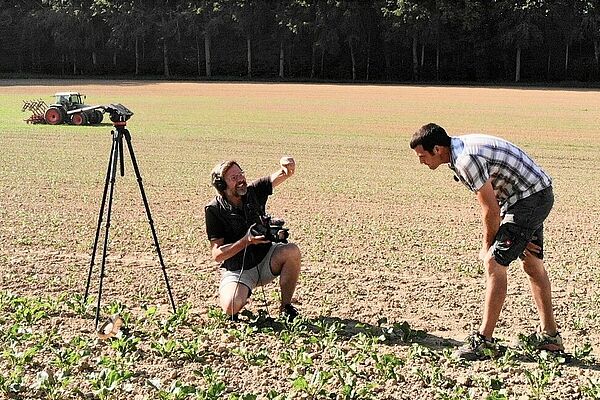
(477, 158)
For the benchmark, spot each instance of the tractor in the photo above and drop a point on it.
(67, 108)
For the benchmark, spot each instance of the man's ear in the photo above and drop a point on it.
(436, 149)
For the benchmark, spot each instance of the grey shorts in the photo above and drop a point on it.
(523, 223)
(257, 276)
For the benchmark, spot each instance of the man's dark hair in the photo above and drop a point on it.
(429, 136)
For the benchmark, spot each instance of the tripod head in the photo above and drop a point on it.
(119, 114)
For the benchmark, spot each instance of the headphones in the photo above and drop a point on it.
(217, 178)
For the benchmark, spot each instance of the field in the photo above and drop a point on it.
(390, 278)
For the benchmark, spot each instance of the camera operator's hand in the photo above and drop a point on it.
(288, 168)
(288, 165)
(255, 239)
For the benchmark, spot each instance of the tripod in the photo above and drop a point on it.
(117, 155)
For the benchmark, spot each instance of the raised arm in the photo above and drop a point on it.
(288, 167)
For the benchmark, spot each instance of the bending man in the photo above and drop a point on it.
(515, 196)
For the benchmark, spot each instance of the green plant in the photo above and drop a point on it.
(406, 333)
(540, 378)
(215, 386)
(125, 345)
(12, 383)
(175, 391)
(591, 388)
(312, 384)
(259, 357)
(192, 350)
(166, 348)
(386, 365)
(77, 304)
(52, 385)
(584, 353)
(108, 380)
(175, 320)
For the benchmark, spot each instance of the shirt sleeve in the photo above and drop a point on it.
(263, 189)
(214, 224)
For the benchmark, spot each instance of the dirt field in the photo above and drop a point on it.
(390, 280)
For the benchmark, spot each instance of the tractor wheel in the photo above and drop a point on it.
(79, 119)
(99, 116)
(92, 118)
(53, 116)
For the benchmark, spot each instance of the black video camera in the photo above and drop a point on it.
(118, 112)
(271, 228)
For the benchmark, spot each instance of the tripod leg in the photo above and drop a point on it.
(149, 215)
(113, 173)
(87, 286)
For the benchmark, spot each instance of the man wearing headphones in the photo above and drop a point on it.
(515, 195)
(248, 260)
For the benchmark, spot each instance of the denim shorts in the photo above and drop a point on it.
(523, 223)
(259, 275)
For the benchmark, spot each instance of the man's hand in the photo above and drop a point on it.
(288, 165)
(288, 168)
(532, 249)
(252, 239)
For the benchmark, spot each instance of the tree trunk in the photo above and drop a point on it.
(352, 57)
(518, 65)
(388, 61)
(94, 60)
(548, 66)
(249, 53)
(207, 54)
(597, 55)
(166, 58)
(322, 63)
(566, 60)
(137, 55)
(165, 49)
(62, 65)
(74, 64)
(289, 60)
(115, 59)
(437, 61)
(198, 72)
(281, 60)
(415, 57)
(368, 57)
(313, 60)
(437, 45)
(422, 55)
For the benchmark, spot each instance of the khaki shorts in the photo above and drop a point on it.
(256, 276)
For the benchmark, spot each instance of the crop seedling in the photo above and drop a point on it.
(52, 385)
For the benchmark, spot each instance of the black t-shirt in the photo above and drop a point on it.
(224, 221)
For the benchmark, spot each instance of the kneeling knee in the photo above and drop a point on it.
(290, 251)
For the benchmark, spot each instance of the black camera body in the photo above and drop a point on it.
(118, 112)
(271, 228)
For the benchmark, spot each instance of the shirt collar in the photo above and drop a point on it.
(456, 147)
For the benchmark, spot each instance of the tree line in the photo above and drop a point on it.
(381, 40)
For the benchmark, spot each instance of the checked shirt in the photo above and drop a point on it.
(477, 158)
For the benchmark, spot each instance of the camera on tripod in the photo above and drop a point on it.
(118, 112)
(271, 228)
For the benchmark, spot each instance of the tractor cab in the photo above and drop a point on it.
(69, 100)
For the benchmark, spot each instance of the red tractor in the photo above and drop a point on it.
(68, 108)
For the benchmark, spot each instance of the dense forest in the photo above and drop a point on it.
(392, 41)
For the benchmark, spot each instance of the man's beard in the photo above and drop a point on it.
(241, 190)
